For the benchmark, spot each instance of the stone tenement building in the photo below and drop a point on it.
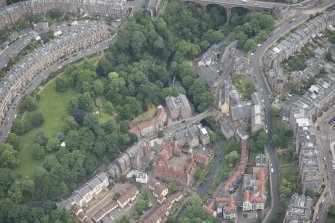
(179, 107)
(132, 158)
(297, 39)
(319, 98)
(164, 170)
(299, 209)
(33, 64)
(2, 4)
(13, 12)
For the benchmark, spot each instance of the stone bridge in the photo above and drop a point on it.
(229, 4)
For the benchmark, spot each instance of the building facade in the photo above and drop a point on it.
(178, 107)
(33, 64)
(12, 13)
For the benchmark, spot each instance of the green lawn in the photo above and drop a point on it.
(53, 107)
(290, 172)
(103, 116)
(251, 162)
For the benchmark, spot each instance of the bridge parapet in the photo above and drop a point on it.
(229, 4)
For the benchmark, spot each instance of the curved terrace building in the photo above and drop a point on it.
(55, 51)
(12, 13)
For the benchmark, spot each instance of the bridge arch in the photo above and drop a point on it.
(229, 4)
(205, 4)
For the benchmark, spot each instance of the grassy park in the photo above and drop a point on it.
(53, 106)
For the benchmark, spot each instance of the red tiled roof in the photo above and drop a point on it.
(152, 183)
(258, 199)
(75, 208)
(164, 154)
(200, 158)
(246, 196)
(105, 210)
(260, 182)
(88, 220)
(208, 210)
(82, 215)
(130, 194)
(161, 198)
(132, 191)
(159, 188)
(231, 206)
(162, 210)
(159, 118)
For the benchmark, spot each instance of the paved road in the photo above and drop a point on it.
(244, 3)
(5, 129)
(281, 29)
(14, 49)
(266, 96)
(326, 140)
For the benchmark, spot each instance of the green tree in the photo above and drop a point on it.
(28, 104)
(173, 187)
(13, 139)
(137, 42)
(37, 119)
(329, 57)
(141, 206)
(90, 120)
(116, 196)
(8, 156)
(212, 135)
(108, 106)
(18, 127)
(71, 123)
(37, 151)
(98, 87)
(52, 145)
(249, 45)
(195, 213)
(310, 193)
(27, 187)
(6, 180)
(266, 21)
(55, 14)
(15, 193)
(232, 156)
(72, 139)
(85, 102)
(73, 105)
(61, 85)
(160, 134)
(40, 138)
(331, 214)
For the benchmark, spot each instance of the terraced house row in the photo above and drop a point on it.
(297, 39)
(56, 50)
(12, 13)
(319, 98)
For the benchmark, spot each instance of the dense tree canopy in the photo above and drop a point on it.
(132, 75)
(195, 213)
(251, 28)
